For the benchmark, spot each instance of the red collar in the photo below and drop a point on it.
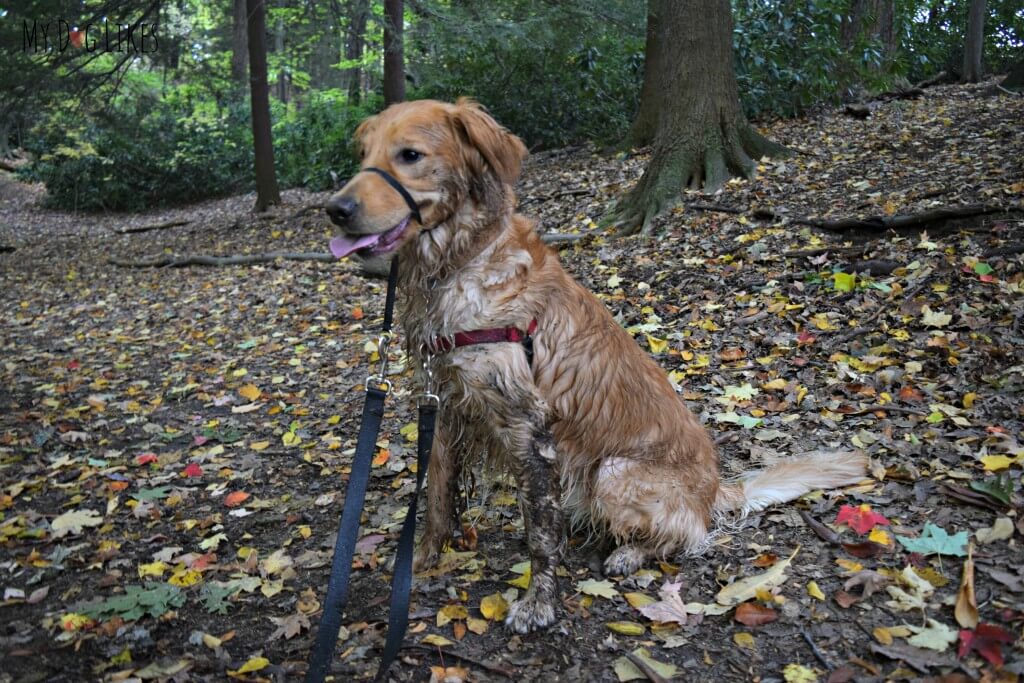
(490, 336)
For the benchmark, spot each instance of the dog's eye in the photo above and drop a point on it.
(410, 156)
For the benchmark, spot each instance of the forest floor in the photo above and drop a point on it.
(174, 441)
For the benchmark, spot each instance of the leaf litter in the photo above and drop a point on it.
(174, 442)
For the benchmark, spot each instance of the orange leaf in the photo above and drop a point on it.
(752, 614)
(381, 457)
(357, 312)
(235, 498)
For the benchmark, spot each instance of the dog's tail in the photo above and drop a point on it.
(791, 479)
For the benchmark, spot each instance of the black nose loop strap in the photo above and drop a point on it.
(400, 189)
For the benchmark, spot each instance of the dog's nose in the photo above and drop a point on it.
(341, 209)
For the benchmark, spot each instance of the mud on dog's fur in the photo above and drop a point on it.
(593, 429)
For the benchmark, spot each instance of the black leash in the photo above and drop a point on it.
(377, 389)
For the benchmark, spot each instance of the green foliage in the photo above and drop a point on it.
(141, 152)
(137, 601)
(555, 73)
(789, 56)
(312, 141)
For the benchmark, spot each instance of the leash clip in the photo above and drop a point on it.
(381, 378)
(428, 395)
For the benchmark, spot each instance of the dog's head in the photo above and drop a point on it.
(449, 158)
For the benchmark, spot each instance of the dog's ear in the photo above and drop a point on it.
(503, 151)
(362, 130)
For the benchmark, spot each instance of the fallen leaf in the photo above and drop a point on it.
(935, 540)
(746, 588)
(966, 610)
(73, 521)
(753, 614)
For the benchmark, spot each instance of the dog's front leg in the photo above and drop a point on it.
(442, 490)
(537, 478)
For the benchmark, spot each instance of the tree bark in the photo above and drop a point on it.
(267, 192)
(701, 136)
(282, 75)
(394, 59)
(354, 43)
(641, 133)
(239, 42)
(974, 42)
(874, 20)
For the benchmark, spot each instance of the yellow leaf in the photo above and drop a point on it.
(776, 384)
(74, 621)
(259, 445)
(626, 628)
(746, 588)
(185, 578)
(849, 566)
(638, 600)
(521, 582)
(334, 419)
(494, 607)
(305, 531)
(240, 372)
(153, 569)
(291, 439)
(969, 399)
(744, 640)
(254, 664)
(882, 635)
(814, 591)
(994, 463)
(798, 673)
(657, 345)
(450, 612)
(880, 536)
(409, 431)
(436, 640)
(250, 392)
(477, 626)
(212, 642)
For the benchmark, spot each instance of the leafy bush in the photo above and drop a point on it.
(312, 141)
(141, 152)
(554, 73)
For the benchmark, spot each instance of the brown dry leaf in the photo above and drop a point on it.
(753, 614)
(966, 610)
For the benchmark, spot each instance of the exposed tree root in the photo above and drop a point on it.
(688, 160)
(6, 249)
(156, 226)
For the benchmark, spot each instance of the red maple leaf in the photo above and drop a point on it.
(145, 458)
(861, 519)
(987, 641)
(192, 470)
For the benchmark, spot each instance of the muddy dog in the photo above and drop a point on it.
(531, 367)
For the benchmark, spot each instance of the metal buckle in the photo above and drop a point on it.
(428, 395)
(381, 378)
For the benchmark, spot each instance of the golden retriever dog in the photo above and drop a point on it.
(587, 423)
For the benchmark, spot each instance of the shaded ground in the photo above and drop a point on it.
(173, 441)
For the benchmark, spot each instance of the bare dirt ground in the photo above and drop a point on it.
(174, 441)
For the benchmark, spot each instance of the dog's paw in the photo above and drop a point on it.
(624, 560)
(531, 613)
(425, 557)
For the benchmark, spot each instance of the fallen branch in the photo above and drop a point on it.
(1007, 250)
(1009, 92)
(825, 250)
(715, 208)
(237, 260)
(155, 226)
(558, 237)
(493, 668)
(6, 249)
(911, 221)
(928, 82)
(7, 166)
(887, 408)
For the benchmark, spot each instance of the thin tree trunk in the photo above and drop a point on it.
(394, 59)
(354, 43)
(239, 42)
(282, 75)
(645, 124)
(702, 137)
(267, 192)
(974, 42)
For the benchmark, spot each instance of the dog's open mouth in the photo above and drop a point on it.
(369, 245)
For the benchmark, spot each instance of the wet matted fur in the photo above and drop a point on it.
(593, 429)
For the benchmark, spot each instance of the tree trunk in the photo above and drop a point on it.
(641, 133)
(267, 192)
(974, 41)
(282, 74)
(239, 43)
(701, 137)
(874, 20)
(394, 60)
(354, 43)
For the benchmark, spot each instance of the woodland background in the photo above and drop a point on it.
(181, 362)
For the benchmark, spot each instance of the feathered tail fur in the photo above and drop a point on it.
(791, 479)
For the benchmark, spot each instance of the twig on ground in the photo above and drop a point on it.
(825, 250)
(715, 208)
(6, 249)
(155, 226)
(814, 649)
(888, 408)
(493, 668)
(644, 667)
(1007, 250)
(237, 260)
(1009, 92)
(909, 221)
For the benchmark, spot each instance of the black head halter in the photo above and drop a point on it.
(393, 182)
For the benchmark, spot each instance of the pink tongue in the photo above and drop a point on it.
(343, 246)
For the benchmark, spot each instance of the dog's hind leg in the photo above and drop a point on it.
(537, 479)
